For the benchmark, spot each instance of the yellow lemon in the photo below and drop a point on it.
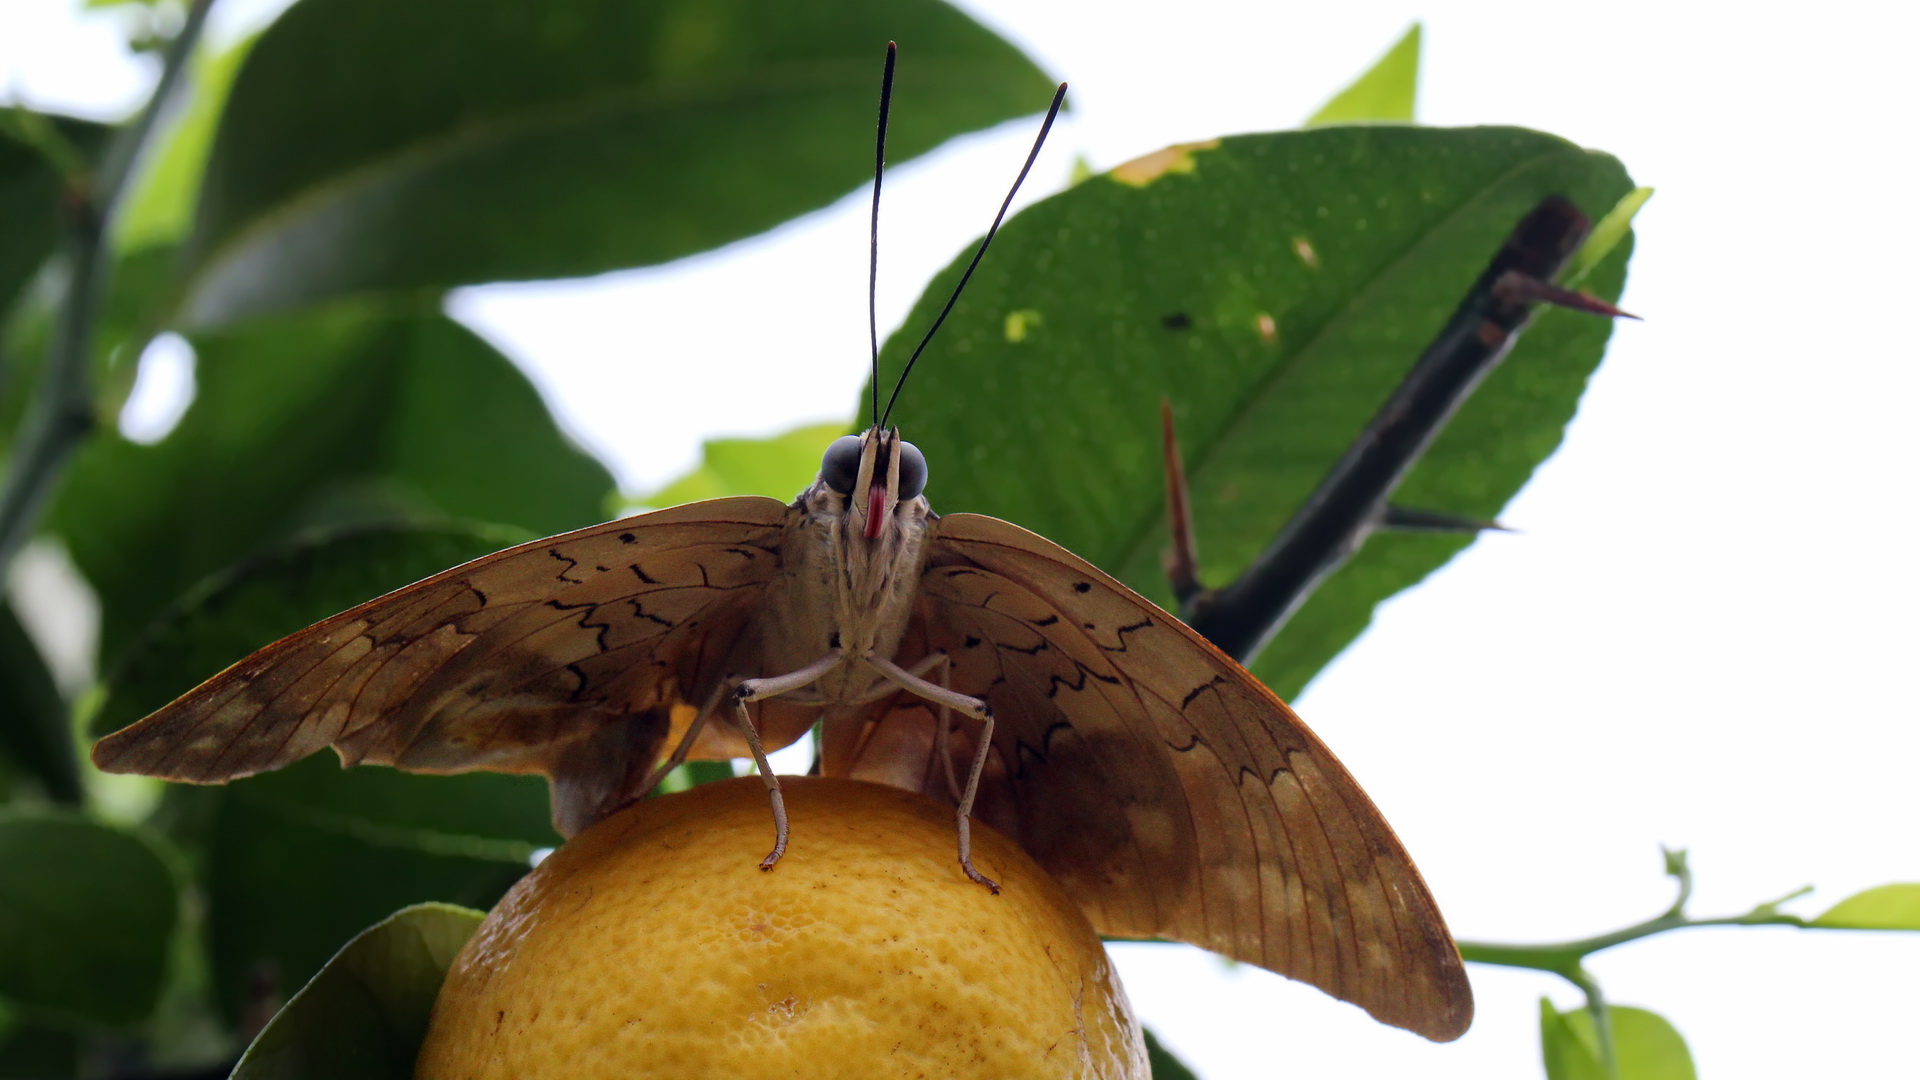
(653, 946)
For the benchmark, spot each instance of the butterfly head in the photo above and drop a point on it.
(870, 478)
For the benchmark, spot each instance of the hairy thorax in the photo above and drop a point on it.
(838, 589)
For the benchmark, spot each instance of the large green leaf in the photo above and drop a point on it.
(1275, 288)
(364, 1015)
(1645, 1045)
(85, 915)
(298, 860)
(481, 140)
(1884, 907)
(338, 417)
(35, 737)
(276, 593)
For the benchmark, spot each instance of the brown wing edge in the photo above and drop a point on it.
(1448, 970)
(132, 749)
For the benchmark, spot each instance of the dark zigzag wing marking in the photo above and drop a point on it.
(1251, 828)
(1413, 980)
(516, 664)
(187, 739)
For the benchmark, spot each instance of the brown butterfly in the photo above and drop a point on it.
(960, 656)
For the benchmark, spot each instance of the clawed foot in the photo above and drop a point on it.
(977, 877)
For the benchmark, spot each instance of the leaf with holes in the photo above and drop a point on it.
(1275, 288)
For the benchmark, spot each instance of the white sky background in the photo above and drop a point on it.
(1702, 635)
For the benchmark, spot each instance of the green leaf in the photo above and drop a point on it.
(1884, 907)
(340, 417)
(31, 145)
(1276, 288)
(276, 593)
(365, 1014)
(159, 208)
(778, 466)
(35, 735)
(1568, 1053)
(30, 1051)
(85, 916)
(1645, 1045)
(482, 140)
(1165, 1066)
(297, 860)
(1384, 93)
(1607, 234)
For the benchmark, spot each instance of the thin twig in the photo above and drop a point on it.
(63, 410)
(1351, 501)
(1567, 959)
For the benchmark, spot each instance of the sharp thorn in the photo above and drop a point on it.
(1182, 561)
(1514, 286)
(1402, 519)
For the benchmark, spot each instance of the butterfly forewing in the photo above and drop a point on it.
(503, 663)
(1174, 794)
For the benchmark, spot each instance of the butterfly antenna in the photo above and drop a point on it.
(873, 231)
(1053, 110)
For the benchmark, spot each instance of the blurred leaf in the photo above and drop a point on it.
(276, 593)
(693, 774)
(1276, 288)
(779, 466)
(298, 859)
(30, 1051)
(30, 189)
(341, 417)
(159, 208)
(1616, 225)
(365, 1014)
(1165, 1066)
(85, 915)
(34, 732)
(483, 140)
(1645, 1045)
(137, 293)
(1884, 907)
(1384, 93)
(1568, 1053)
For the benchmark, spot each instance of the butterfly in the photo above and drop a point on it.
(960, 656)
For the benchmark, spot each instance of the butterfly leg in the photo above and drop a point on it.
(685, 744)
(974, 707)
(759, 689)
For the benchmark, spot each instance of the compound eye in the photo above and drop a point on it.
(913, 471)
(840, 466)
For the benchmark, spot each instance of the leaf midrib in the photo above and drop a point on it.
(1242, 415)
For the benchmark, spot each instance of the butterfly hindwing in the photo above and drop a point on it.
(503, 663)
(1173, 793)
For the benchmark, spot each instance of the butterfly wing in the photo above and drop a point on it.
(575, 656)
(1174, 795)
